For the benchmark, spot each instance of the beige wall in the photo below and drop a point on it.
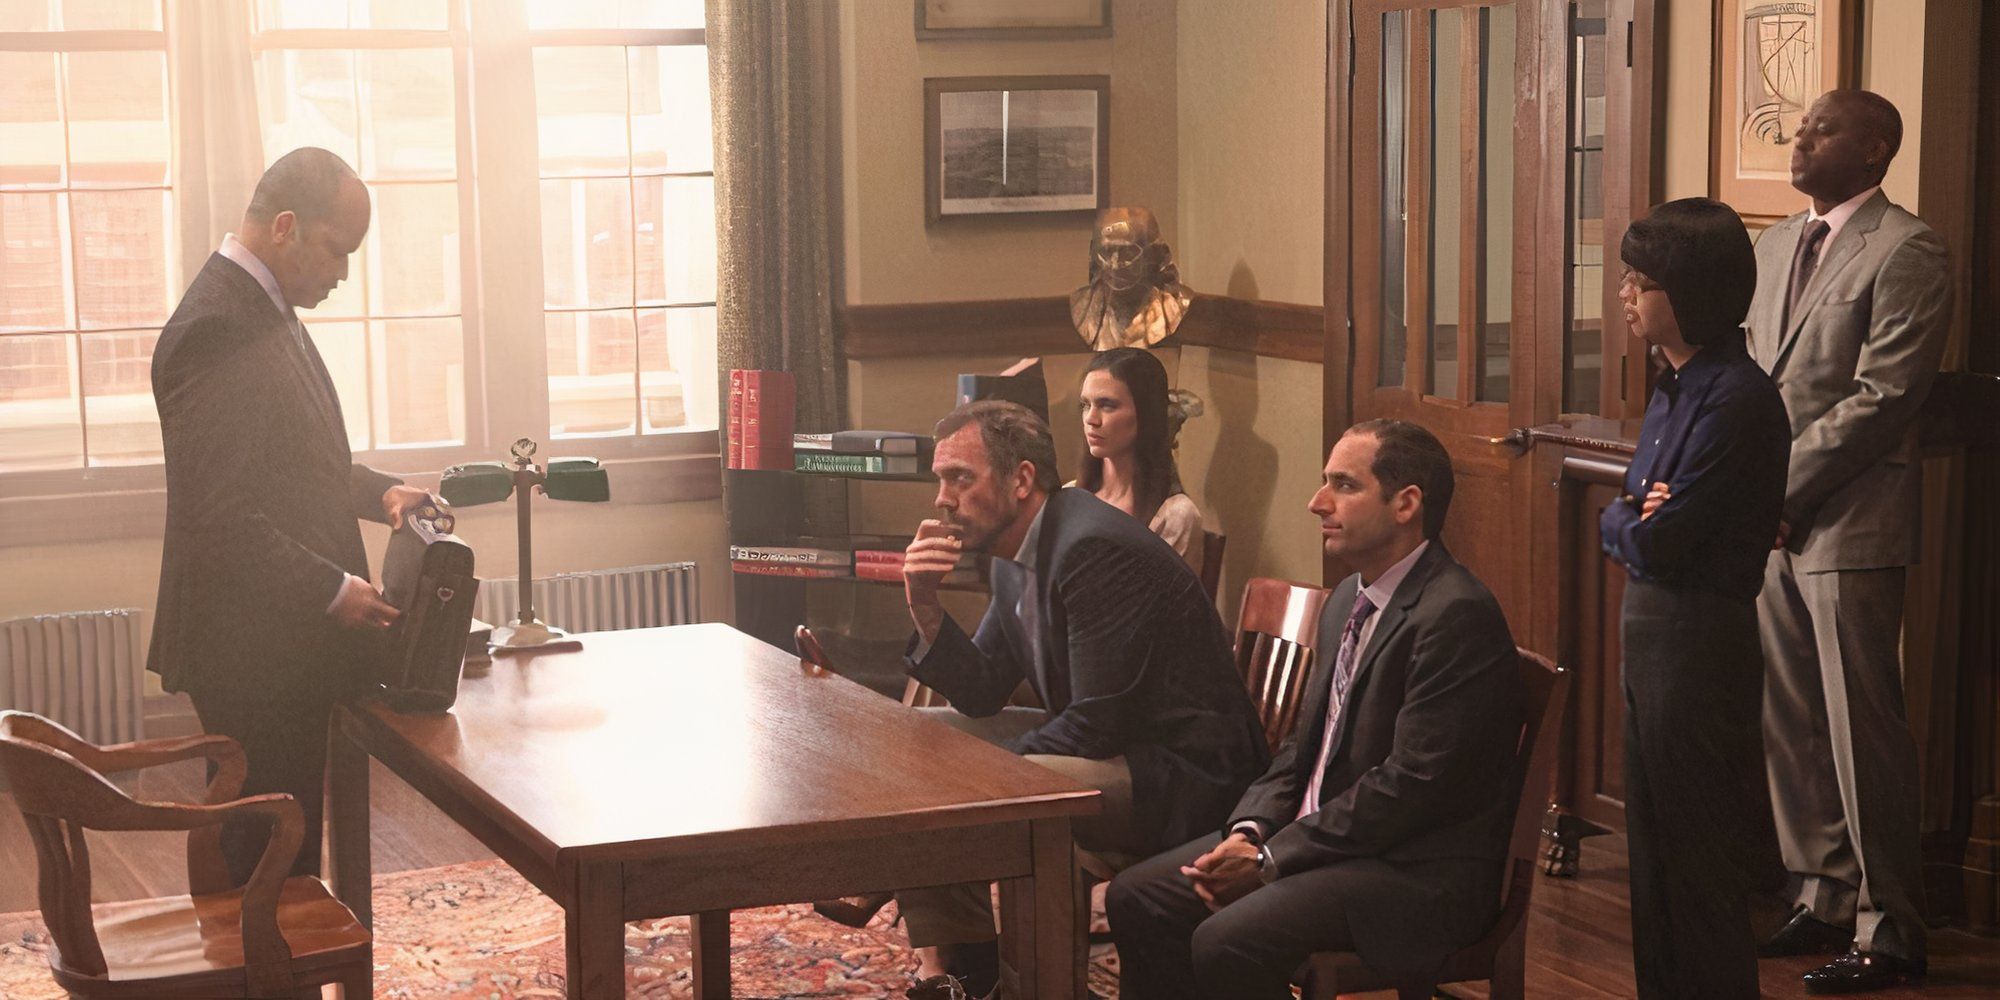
(890, 255)
(1253, 147)
(1892, 64)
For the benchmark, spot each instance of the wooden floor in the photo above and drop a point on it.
(1579, 936)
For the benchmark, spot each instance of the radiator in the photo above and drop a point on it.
(601, 600)
(85, 670)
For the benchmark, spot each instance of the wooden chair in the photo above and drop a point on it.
(274, 937)
(814, 661)
(1501, 955)
(1212, 544)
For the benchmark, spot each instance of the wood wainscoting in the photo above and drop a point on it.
(1036, 326)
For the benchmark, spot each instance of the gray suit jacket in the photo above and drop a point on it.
(1853, 366)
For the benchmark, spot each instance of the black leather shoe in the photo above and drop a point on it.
(1862, 972)
(1806, 934)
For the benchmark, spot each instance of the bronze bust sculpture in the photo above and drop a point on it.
(1135, 297)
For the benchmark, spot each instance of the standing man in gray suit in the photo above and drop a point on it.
(1853, 298)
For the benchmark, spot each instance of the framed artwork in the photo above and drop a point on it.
(1017, 20)
(1772, 59)
(1016, 145)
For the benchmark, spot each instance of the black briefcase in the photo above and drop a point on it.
(427, 575)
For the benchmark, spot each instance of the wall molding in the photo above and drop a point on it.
(1037, 326)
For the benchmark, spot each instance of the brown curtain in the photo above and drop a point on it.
(772, 86)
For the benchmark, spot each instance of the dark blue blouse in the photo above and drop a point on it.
(1716, 433)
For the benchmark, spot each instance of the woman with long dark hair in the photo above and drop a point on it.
(1702, 499)
(1128, 458)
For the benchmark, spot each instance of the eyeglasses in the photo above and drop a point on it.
(1637, 282)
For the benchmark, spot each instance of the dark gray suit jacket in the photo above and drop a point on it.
(1853, 366)
(262, 501)
(1420, 775)
(1130, 659)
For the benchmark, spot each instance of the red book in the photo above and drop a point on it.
(735, 454)
(788, 569)
(777, 412)
(878, 556)
(753, 420)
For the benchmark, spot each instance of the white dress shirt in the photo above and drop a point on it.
(1838, 215)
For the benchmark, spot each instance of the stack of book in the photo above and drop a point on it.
(862, 453)
(808, 562)
(761, 411)
(886, 565)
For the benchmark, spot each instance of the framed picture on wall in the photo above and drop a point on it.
(1017, 20)
(1016, 145)
(1772, 58)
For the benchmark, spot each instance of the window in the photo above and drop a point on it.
(626, 171)
(87, 273)
(540, 262)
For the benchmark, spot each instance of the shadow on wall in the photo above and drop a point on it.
(1242, 473)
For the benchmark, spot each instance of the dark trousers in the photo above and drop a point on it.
(285, 748)
(1170, 946)
(1696, 811)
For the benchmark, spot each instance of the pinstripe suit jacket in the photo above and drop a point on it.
(262, 501)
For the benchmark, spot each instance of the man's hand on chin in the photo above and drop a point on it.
(399, 500)
(1227, 873)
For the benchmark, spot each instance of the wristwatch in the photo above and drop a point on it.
(1267, 867)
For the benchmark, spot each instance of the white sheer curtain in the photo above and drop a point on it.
(218, 146)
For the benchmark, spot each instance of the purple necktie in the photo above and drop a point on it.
(1805, 260)
(1343, 675)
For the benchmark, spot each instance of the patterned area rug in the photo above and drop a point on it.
(479, 930)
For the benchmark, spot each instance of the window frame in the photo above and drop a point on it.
(501, 318)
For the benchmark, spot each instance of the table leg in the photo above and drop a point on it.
(594, 933)
(1044, 915)
(708, 933)
(347, 821)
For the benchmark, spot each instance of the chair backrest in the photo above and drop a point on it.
(814, 661)
(1547, 687)
(1212, 544)
(59, 798)
(1276, 632)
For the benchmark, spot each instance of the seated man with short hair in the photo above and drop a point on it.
(1382, 826)
(1110, 628)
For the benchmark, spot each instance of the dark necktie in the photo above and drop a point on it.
(1343, 674)
(1804, 261)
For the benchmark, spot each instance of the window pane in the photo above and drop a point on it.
(31, 151)
(671, 131)
(414, 244)
(1395, 119)
(40, 424)
(407, 125)
(400, 14)
(121, 258)
(275, 14)
(1497, 195)
(343, 348)
(587, 243)
(677, 368)
(25, 15)
(105, 15)
(675, 220)
(306, 98)
(1583, 337)
(1447, 209)
(33, 294)
(117, 117)
(419, 381)
(580, 104)
(118, 397)
(592, 388)
(614, 13)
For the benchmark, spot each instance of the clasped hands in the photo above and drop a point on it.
(1227, 873)
(1661, 493)
(359, 604)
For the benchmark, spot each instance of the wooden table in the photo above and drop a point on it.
(695, 770)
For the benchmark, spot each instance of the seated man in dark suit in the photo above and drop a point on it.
(1112, 631)
(1382, 825)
